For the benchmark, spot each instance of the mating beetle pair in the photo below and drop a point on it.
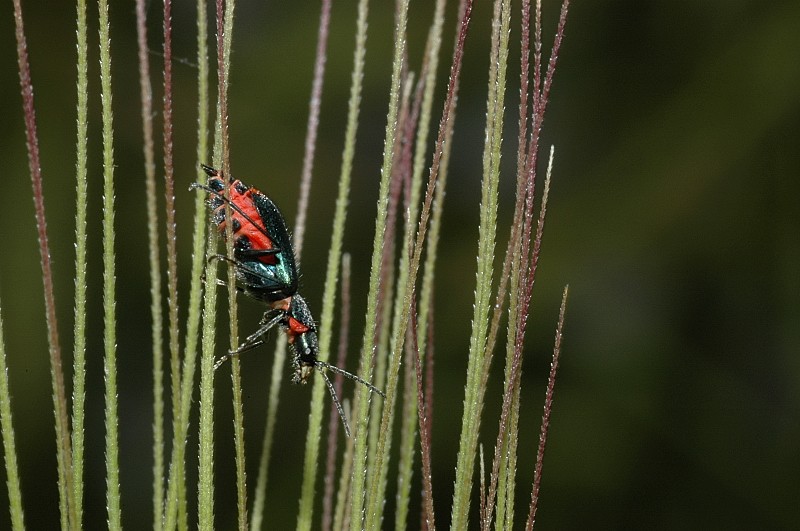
(266, 269)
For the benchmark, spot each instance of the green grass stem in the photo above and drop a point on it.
(392, 275)
(473, 396)
(79, 359)
(177, 498)
(373, 514)
(220, 160)
(9, 445)
(205, 500)
(428, 78)
(360, 416)
(146, 94)
(297, 241)
(109, 280)
(311, 460)
(260, 496)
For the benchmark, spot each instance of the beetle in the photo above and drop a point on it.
(266, 270)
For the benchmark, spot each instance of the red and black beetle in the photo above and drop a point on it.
(266, 270)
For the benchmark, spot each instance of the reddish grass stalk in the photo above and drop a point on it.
(548, 408)
(522, 157)
(403, 166)
(455, 72)
(452, 90)
(488, 506)
(426, 399)
(169, 196)
(410, 124)
(222, 13)
(540, 105)
(408, 430)
(333, 416)
(528, 265)
(424, 430)
(537, 57)
(312, 127)
(172, 254)
(65, 480)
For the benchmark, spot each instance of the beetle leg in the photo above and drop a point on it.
(270, 319)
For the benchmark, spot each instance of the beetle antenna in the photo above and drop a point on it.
(338, 404)
(350, 375)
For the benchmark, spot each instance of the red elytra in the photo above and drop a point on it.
(256, 236)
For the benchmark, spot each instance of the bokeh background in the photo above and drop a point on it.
(674, 218)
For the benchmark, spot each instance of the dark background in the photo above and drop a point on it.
(673, 206)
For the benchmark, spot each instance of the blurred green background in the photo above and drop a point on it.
(672, 215)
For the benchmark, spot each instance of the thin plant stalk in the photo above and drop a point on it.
(501, 489)
(205, 490)
(401, 180)
(548, 408)
(426, 292)
(473, 398)
(424, 426)
(169, 196)
(333, 420)
(79, 359)
(511, 264)
(482, 486)
(312, 126)
(224, 39)
(233, 317)
(428, 81)
(373, 511)
(195, 290)
(9, 445)
(387, 283)
(109, 280)
(522, 159)
(425, 431)
(146, 94)
(200, 220)
(325, 332)
(220, 157)
(526, 272)
(297, 241)
(360, 416)
(428, 276)
(257, 515)
(236, 377)
(63, 444)
(172, 255)
(341, 516)
(425, 340)
(205, 498)
(236, 383)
